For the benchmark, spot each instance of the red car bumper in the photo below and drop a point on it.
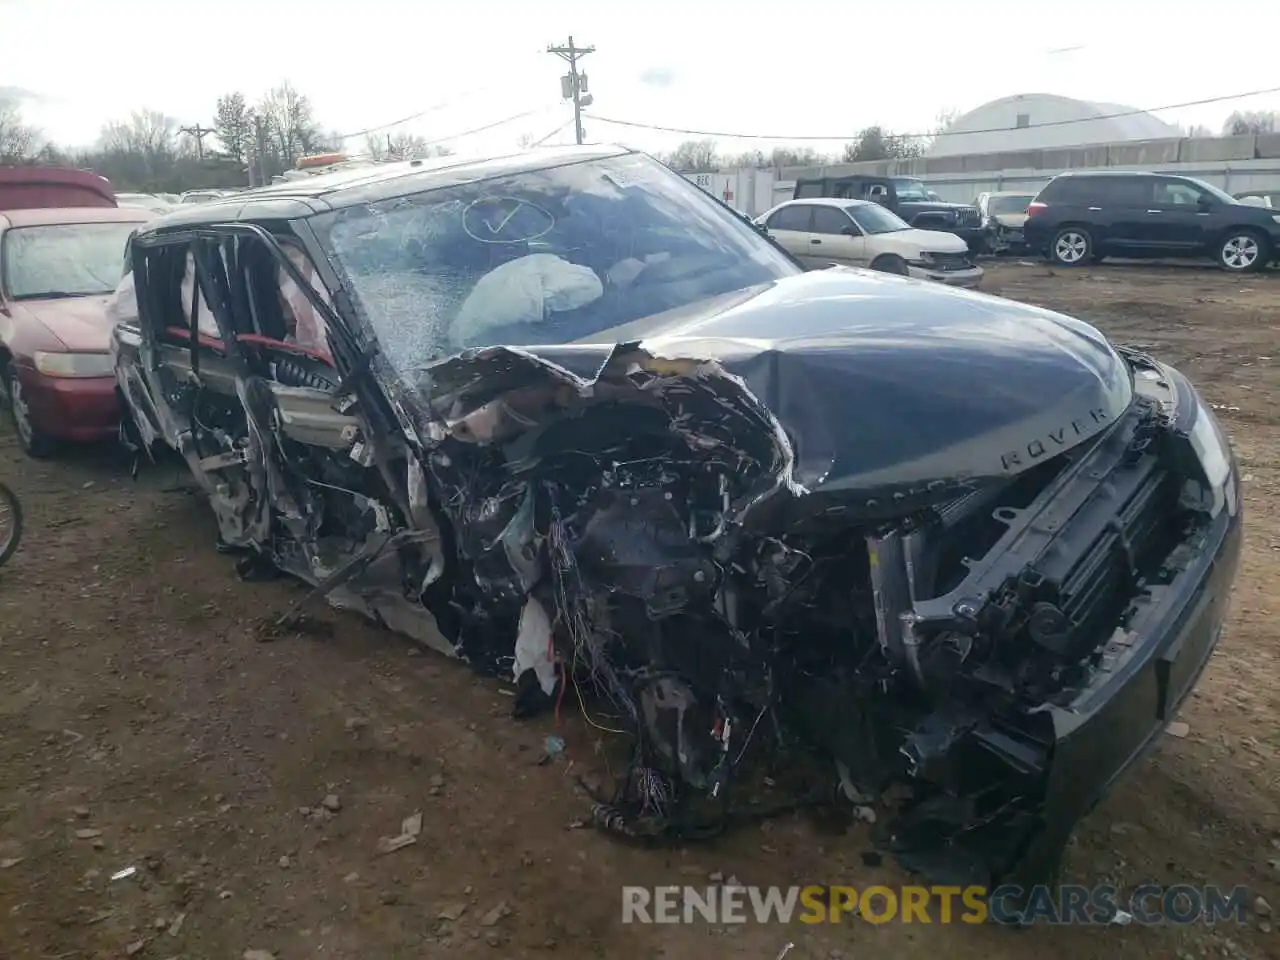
(80, 409)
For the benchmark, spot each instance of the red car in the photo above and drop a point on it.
(58, 267)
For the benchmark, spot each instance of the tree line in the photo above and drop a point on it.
(247, 142)
(250, 141)
(872, 143)
(876, 143)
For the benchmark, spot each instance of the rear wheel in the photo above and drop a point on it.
(1243, 251)
(1071, 247)
(33, 441)
(10, 523)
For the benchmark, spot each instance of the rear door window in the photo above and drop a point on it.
(1126, 192)
(794, 218)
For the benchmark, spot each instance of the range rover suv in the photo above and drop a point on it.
(1084, 216)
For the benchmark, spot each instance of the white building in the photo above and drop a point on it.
(1033, 121)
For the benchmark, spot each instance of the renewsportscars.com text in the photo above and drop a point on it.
(1067, 904)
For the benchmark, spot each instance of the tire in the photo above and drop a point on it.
(1071, 247)
(890, 264)
(10, 523)
(33, 441)
(1243, 251)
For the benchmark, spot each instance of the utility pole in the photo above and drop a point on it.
(199, 133)
(574, 84)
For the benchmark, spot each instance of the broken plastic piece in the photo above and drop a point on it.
(533, 646)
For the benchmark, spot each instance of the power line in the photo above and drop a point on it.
(941, 133)
(422, 113)
(415, 116)
(487, 126)
(541, 140)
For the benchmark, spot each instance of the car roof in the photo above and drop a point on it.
(308, 196)
(1084, 174)
(840, 202)
(52, 215)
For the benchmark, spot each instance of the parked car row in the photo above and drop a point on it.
(1079, 217)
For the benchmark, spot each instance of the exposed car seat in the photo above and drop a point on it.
(305, 325)
(205, 322)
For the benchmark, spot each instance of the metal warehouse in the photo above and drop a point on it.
(1033, 121)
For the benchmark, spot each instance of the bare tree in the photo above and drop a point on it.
(18, 140)
(795, 157)
(148, 133)
(402, 146)
(694, 156)
(290, 123)
(233, 122)
(943, 122)
(1250, 121)
(748, 159)
(874, 143)
(154, 133)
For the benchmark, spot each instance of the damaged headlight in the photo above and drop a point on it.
(1211, 446)
(74, 364)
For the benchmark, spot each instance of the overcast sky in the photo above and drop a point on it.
(802, 70)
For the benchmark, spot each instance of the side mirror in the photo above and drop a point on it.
(1206, 204)
(848, 231)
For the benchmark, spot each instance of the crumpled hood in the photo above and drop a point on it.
(885, 383)
(81, 323)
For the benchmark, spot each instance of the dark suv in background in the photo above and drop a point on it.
(1084, 216)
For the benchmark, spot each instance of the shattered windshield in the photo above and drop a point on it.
(547, 256)
(63, 259)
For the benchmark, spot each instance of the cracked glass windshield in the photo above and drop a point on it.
(64, 259)
(547, 256)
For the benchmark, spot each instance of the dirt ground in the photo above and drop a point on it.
(143, 726)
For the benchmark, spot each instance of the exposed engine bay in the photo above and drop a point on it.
(640, 539)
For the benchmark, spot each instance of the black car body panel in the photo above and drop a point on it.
(777, 521)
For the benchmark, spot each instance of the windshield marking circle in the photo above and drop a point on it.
(496, 222)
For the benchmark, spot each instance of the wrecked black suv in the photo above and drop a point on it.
(800, 536)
